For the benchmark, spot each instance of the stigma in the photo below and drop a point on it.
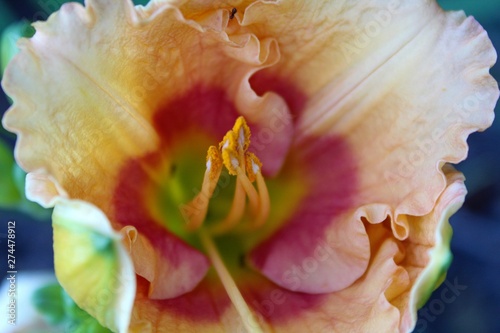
(233, 155)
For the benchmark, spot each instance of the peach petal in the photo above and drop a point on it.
(113, 76)
(331, 248)
(110, 87)
(428, 252)
(43, 189)
(141, 252)
(400, 276)
(404, 82)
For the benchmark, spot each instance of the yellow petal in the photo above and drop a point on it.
(91, 263)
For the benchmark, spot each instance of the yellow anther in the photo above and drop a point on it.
(231, 161)
(253, 166)
(214, 163)
(242, 132)
(229, 142)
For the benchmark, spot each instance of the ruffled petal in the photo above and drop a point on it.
(399, 279)
(331, 249)
(120, 72)
(68, 112)
(427, 250)
(205, 309)
(361, 307)
(113, 75)
(402, 81)
(91, 263)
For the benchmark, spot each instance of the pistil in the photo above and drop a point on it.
(230, 286)
(233, 154)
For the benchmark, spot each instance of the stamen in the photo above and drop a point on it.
(265, 203)
(232, 163)
(242, 132)
(232, 290)
(229, 148)
(253, 166)
(199, 205)
(235, 213)
(232, 153)
(253, 196)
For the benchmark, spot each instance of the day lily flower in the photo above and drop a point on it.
(258, 166)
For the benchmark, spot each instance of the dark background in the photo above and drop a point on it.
(474, 275)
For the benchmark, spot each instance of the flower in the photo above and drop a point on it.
(346, 114)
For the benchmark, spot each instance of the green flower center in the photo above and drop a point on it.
(224, 195)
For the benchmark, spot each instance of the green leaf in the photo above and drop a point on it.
(58, 309)
(11, 34)
(49, 302)
(12, 183)
(90, 325)
(10, 195)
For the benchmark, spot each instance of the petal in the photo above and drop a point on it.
(113, 74)
(330, 245)
(43, 189)
(362, 307)
(120, 72)
(68, 110)
(175, 267)
(428, 253)
(141, 252)
(91, 263)
(403, 81)
(400, 277)
(205, 309)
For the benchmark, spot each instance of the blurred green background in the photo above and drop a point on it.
(476, 240)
